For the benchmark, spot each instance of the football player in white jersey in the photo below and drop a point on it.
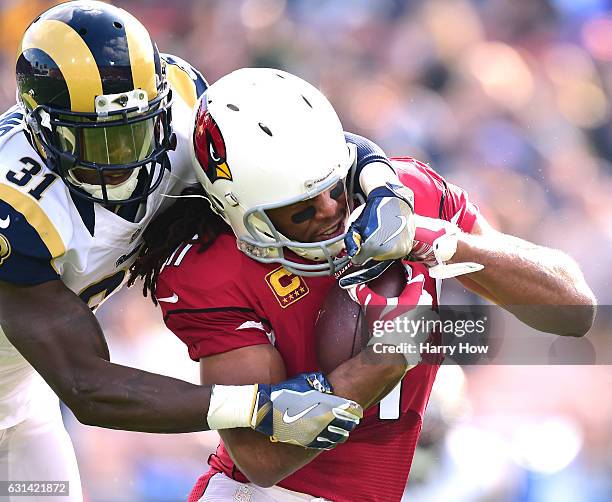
(97, 138)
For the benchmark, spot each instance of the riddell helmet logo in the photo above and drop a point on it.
(210, 146)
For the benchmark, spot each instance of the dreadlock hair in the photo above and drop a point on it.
(190, 221)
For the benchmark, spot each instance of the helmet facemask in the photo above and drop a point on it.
(112, 139)
(266, 243)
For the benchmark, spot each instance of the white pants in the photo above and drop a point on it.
(223, 489)
(39, 449)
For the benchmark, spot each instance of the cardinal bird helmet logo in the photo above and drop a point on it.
(210, 146)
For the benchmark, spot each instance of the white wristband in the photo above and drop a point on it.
(375, 175)
(231, 406)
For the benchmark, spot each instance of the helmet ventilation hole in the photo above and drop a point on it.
(307, 102)
(233, 107)
(82, 31)
(280, 76)
(117, 25)
(265, 129)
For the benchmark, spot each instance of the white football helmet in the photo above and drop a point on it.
(265, 139)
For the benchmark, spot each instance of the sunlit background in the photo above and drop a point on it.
(509, 99)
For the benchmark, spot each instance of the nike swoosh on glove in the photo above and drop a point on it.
(383, 228)
(435, 243)
(303, 411)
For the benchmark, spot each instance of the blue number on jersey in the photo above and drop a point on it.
(96, 293)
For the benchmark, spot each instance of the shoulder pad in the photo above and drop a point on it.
(32, 229)
(29, 241)
(11, 122)
(184, 79)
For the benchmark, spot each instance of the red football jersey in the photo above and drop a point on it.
(227, 301)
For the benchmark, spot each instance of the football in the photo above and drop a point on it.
(340, 329)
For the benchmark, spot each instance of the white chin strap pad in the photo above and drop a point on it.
(316, 254)
(121, 191)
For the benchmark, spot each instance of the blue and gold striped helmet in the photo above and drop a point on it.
(97, 100)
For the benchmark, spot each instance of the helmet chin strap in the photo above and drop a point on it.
(316, 254)
(121, 191)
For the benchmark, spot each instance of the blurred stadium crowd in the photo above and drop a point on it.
(509, 99)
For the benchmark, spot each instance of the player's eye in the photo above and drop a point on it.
(306, 214)
(303, 215)
(337, 191)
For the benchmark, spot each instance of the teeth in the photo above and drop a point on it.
(332, 230)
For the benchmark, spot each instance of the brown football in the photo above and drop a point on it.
(340, 329)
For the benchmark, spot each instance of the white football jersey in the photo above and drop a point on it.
(45, 231)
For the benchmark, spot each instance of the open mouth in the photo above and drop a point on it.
(331, 232)
(92, 177)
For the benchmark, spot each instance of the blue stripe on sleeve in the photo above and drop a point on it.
(367, 152)
(24, 257)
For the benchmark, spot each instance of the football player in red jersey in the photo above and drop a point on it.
(243, 290)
